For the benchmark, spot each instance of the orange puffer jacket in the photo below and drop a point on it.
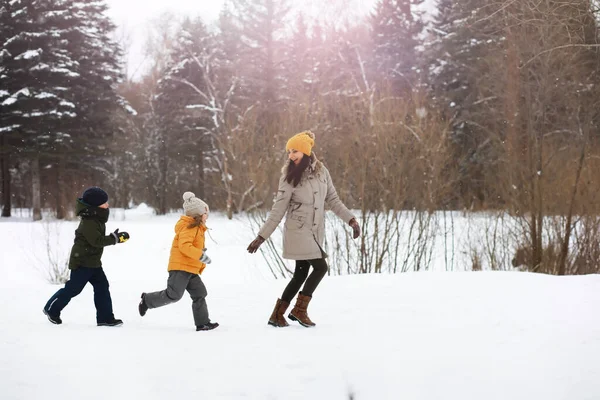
(187, 247)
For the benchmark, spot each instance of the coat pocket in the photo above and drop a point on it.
(295, 220)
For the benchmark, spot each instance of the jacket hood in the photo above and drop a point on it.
(184, 222)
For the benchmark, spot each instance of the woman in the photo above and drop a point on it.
(305, 188)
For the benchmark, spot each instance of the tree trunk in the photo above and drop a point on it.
(4, 160)
(60, 176)
(227, 187)
(564, 250)
(201, 177)
(163, 176)
(36, 189)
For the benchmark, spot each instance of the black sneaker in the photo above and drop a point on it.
(207, 327)
(114, 322)
(52, 318)
(142, 307)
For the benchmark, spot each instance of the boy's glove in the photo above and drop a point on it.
(355, 228)
(205, 259)
(255, 244)
(120, 237)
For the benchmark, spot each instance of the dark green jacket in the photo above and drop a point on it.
(90, 237)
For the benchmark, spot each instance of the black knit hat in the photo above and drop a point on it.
(94, 196)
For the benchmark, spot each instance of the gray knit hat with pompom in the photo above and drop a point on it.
(193, 206)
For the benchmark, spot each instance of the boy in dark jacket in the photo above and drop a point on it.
(85, 260)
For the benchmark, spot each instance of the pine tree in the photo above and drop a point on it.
(458, 59)
(100, 67)
(396, 26)
(178, 103)
(459, 48)
(59, 74)
(261, 24)
(297, 59)
(36, 71)
(228, 42)
(94, 92)
(342, 66)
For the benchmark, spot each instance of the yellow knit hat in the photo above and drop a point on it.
(303, 141)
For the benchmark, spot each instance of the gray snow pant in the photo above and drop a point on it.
(178, 282)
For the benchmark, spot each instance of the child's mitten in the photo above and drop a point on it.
(205, 259)
(120, 237)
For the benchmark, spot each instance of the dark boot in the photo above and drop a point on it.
(207, 327)
(299, 312)
(277, 319)
(52, 318)
(113, 322)
(142, 307)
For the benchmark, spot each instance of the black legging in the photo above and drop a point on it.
(300, 273)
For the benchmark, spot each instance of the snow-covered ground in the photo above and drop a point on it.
(461, 335)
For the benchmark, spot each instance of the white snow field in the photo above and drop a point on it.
(428, 335)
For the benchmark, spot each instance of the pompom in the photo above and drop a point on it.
(310, 135)
(188, 195)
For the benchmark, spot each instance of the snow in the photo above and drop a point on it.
(24, 92)
(65, 71)
(51, 112)
(65, 103)
(29, 54)
(9, 101)
(8, 128)
(130, 110)
(430, 336)
(9, 41)
(18, 12)
(3, 55)
(204, 107)
(15, 97)
(58, 13)
(45, 95)
(40, 67)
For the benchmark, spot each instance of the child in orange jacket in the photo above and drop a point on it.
(187, 261)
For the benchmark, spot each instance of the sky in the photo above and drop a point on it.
(134, 12)
(134, 18)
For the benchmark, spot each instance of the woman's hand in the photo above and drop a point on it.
(355, 228)
(255, 244)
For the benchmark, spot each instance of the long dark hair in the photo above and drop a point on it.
(294, 172)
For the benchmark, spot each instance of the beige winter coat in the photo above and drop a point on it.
(304, 228)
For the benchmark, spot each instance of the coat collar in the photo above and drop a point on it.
(86, 211)
(185, 220)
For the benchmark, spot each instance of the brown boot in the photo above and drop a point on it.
(299, 312)
(277, 319)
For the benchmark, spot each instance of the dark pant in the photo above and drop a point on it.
(79, 278)
(300, 273)
(177, 284)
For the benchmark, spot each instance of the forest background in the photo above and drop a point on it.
(481, 107)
